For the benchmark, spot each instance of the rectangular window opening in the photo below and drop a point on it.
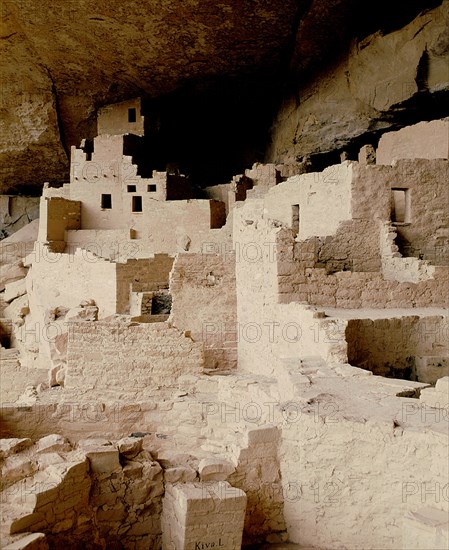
(137, 204)
(132, 189)
(295, 219)
(106, 201)
(400, 205)
(132, 115)
(151, 188)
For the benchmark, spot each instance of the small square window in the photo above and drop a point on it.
(152, 188)
(132, 115)
(132, 189)
(106, 201)
(137, 204)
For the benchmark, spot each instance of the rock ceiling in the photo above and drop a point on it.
(63, 59)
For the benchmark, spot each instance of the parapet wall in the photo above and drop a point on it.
(425, 140)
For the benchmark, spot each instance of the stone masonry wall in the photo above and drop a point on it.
(67, 279)
(425, 140)
(56, 216)
(204, 303)
(133, 359)
(141, 275)
(426, 234)
(300, 281)
(324, 201)
(111, 244)
(397, 268)
(334, 485)
(113, 119)
(352, 290)
(389, 347)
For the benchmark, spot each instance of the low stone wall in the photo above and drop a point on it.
(116, 358)
(389, 347)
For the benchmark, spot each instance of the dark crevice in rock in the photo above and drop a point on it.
(59, 121)
(422, 72)
(424, 106)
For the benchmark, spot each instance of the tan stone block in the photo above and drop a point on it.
(132, 470)
(180, 474)
(129, 447)
(13, 445)
(52, 442)
(442, 385)
(265, 434)
(103, 460)
(215, 469)
(14, 290)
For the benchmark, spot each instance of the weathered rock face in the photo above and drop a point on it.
(65, 59)
(226, 64)
(381, 80)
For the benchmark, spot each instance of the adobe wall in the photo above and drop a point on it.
(57, 215)
(141, 275)
(397, 268)
(276, 280)
(219, 193)
(425, 140)
(389, 347)
(113, 119)
(180, 225)
(268, 331)
(324, 200)
(301, 277)
(202, 287)
(427, 233)
(299, 281)
(263, 175)
(162, 225)
(132, 360)
(256, 286)
(344, 204)
(67, 279)
(120, 214)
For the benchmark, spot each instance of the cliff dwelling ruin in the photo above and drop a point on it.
(224, 278)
